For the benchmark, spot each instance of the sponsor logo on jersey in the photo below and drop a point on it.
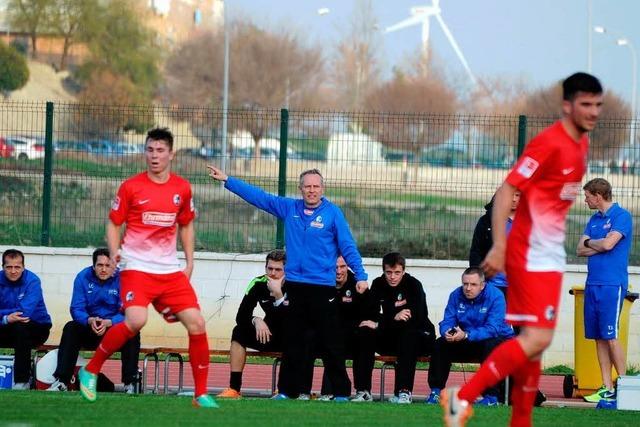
(113, 292)
(570, 191)
(527, 167)
(316, 224)
(115, 204)
(308, 212)
(161, 219)
(400, 303)
(550, 312)
(176, 199)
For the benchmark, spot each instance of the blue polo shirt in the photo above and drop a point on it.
(610, 268)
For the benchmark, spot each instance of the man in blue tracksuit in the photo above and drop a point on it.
(473, 325)
(24, 320)
(316, 232)
(606, 242)
(95, 307)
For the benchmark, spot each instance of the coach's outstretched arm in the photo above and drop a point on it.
(217, 174)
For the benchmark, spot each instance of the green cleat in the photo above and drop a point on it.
(601, 394)
(88, 384)
(205, 401)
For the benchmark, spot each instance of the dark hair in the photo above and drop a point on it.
(276, 255)
(474, 270)
(599, 186)
(580, 82)
(12, 253)
(100, 252)
(393, 258)
(160, 134)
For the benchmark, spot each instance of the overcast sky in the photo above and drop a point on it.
(541, 41)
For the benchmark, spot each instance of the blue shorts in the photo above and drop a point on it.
(602, 306)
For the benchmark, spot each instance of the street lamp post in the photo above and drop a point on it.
(634, 85)
(225, 90)
(623, 41)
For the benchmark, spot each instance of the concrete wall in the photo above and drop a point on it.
(220, 281)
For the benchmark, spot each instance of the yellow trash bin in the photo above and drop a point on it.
(587, 378)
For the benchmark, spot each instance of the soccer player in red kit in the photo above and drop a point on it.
(548, 176)
(157, 206)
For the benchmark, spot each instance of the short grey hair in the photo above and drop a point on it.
(310, 172)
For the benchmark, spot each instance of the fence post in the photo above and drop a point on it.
(45, 237)
(282, 171)
(522, 133)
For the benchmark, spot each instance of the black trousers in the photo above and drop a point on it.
(407, 344)
(312, 313)
(460, 351)
(23, 337)
(76, 336)
(359, 346)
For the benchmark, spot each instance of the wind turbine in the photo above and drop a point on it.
(421, 15)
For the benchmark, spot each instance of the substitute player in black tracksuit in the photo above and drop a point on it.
(353, 308)
(262, 334)
(403, 328)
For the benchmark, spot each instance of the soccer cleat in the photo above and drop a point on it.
(487, 400)
(279, 396)
(229, 393)
(88, 384)
(303, 396)
(130, 389)
(434, 397)
(603, 393)
(57, 386)
(456, 411)
(326, 398)
(362, 396)
(21, 386)
(341, 399)
(205, 401)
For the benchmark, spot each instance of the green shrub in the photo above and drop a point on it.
(14, 72)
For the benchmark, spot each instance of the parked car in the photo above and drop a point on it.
(6, 150)
(72, 146)
(25, 148)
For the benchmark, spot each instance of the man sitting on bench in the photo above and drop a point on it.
(253, 331)
(472, 327)
(95, 307)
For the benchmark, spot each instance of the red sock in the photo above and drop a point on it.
(525, 388)
(112, 341)
(199, 359)
(505, 359)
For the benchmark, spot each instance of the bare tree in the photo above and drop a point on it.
(31, 17)
(267, 71)
(69, 19)
(510, 98)
(356, 68)
(422, 106)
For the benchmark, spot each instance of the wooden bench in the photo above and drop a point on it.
(176, 353)
(149, 353)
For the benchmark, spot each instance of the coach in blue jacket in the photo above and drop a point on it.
(25, 322)
(472, 327)
(95, 307)
(316, 232)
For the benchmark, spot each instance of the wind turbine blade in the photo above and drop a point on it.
(456, 48)
(414, 20)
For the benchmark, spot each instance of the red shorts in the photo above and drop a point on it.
(533, 298)
(171, 291)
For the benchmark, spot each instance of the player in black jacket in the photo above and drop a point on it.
(353, 308)
(253, 331)
(403, 328)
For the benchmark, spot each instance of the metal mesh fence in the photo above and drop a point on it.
(408, 182)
